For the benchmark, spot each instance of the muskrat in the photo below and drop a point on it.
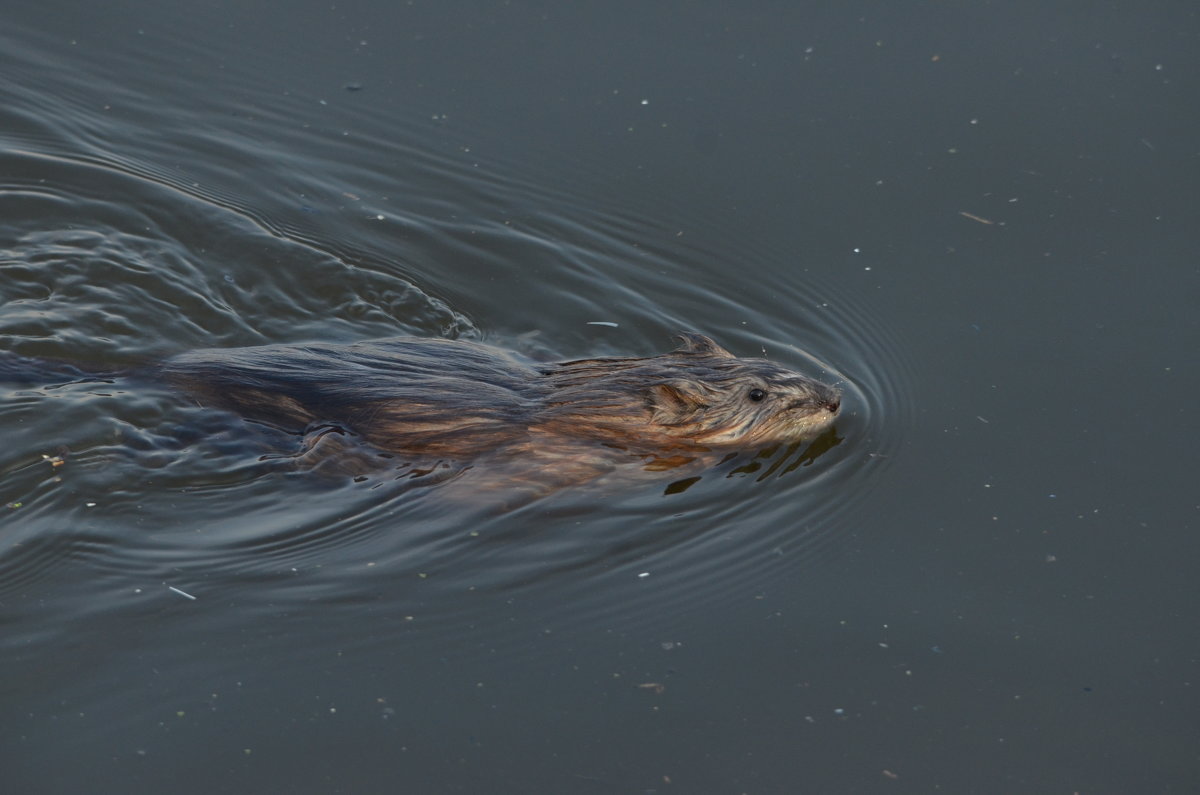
(441, 400)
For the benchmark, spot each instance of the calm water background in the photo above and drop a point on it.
(980, 217)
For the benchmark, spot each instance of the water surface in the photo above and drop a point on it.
(975, 220)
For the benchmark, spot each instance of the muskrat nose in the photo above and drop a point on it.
(833, 405)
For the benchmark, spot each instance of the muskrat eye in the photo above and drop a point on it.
(757, 394)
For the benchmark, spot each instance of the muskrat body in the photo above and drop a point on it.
(438, 399)
(440, 407)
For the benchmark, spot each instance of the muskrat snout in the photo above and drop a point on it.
(817, 397)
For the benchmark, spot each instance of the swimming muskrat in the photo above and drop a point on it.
(439, 400)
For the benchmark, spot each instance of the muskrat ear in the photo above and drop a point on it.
(691, 342)
(674, 402)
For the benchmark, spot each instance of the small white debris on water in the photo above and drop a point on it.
(608, 323)
(184, 594)
(643, 575)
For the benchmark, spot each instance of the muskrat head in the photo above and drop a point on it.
(706, 394)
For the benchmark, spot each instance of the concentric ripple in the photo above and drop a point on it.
(116, 487)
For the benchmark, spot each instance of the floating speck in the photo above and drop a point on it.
(184, 594)
(977, 218)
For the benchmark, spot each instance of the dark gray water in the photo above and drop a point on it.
(980, 220)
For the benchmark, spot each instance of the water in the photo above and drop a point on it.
(976, 220)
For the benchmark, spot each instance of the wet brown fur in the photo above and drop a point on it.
(445, 399)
